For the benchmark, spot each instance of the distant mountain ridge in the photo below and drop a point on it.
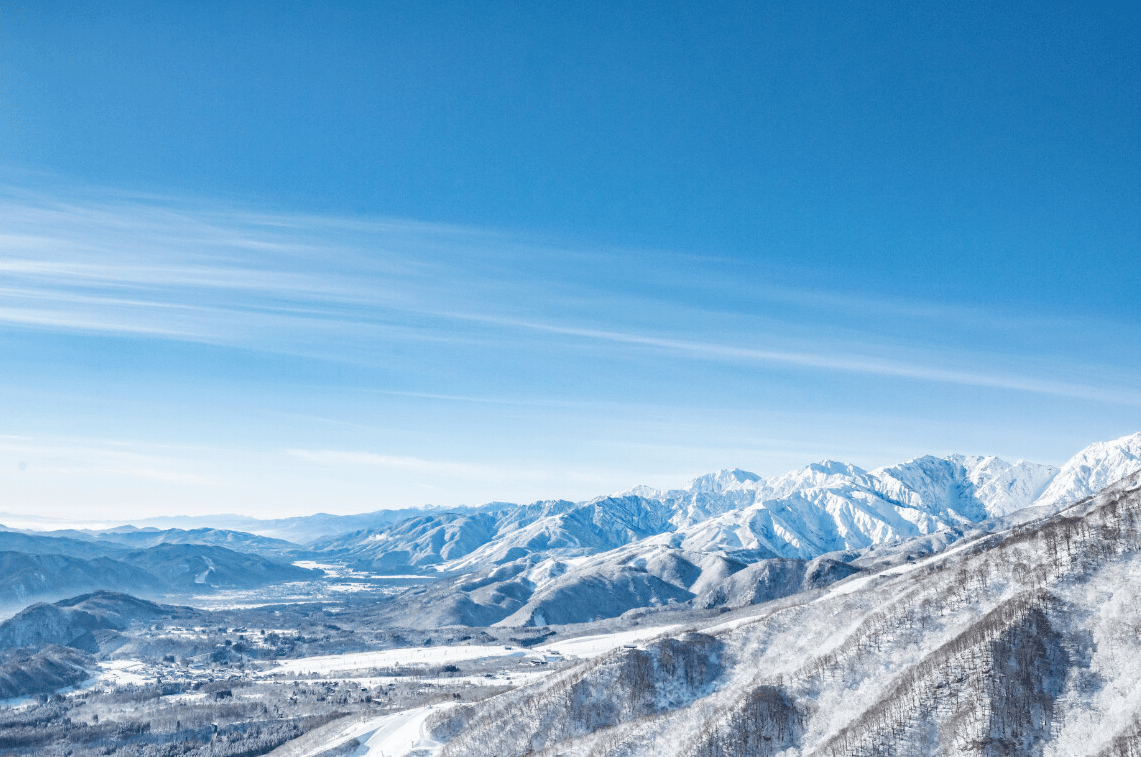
(1000, 486)
(824, 507)
(301, 529)
(726, 538)
(49, 567)
(531, 563)
(71, 622)
(132, 537)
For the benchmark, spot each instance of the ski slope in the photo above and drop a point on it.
(393, 735)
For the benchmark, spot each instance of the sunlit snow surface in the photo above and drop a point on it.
(398, 735)
(592, 646)
(123, 673)
(389, 658)
(392, 735)
(579, 647)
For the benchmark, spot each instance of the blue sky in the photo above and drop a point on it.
(277, 258)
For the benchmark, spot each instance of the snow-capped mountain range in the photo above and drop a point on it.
(824, 507)
(724, 536)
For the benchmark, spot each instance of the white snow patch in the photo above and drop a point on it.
(392, 735)
(593, 646)
(387, 658)
(399, 734)
(123, 672)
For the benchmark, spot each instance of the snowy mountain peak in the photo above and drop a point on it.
(836, 468)
(823, 507)
(1091, 470)
(825, 474)
(723, 480)
(641, 490)
(1004, 488)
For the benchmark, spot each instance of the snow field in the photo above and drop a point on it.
(586, 647)
(123, 672)
(386, 658)
(581, 647)
(392, 735)
(399, 734)
(514, 677)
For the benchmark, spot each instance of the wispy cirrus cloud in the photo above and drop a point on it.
(846, 363)
(338, 289)
(405, 463)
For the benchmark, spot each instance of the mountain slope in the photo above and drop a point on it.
(45, 544)
(44, 672)
(466, 542)
(194, 568)
(303, 529)
(24, 576)
(1091, 470)
(1019, 642)
(70, 622)
(767, 580)
(828, 508)
(166, 568)
(239, 541)
(615, 582)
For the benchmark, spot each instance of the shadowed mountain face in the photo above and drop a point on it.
(43, 672)
(24, 576)
(146, 561)
(533, 591)
(71, 622)
(191, 567)
(824, 508)
(772, 579)
(167, 568)
(238, 541)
